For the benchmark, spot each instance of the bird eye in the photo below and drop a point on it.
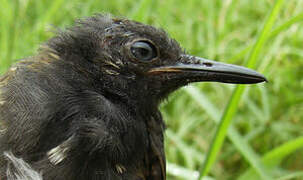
(143, 50)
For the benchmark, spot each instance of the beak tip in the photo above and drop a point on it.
(263, 79)
(260, 79)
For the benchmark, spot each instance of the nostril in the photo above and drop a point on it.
(207, 64)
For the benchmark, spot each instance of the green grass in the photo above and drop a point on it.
(263, 123)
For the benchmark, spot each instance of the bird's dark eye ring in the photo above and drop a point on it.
(143, 50)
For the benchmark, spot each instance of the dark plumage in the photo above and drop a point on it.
(86, 106)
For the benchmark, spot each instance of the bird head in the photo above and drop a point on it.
(124, 55)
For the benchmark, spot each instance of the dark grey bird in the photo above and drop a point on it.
(85, 107)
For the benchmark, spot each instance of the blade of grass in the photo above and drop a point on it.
(275, 32)
(235, 99)
(239, 142)
(274, 157)
(287, 24)
(182, 172)
(295, 175)
(204, 102)
(181, 145)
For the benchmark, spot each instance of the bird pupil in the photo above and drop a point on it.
(143, 50)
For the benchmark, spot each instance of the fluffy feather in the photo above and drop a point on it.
(18, 169)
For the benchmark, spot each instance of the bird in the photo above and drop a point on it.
(85, 106)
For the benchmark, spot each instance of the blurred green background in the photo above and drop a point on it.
(263, 124)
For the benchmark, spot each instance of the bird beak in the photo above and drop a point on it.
(199, 69)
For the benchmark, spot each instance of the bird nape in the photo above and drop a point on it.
(86, 105)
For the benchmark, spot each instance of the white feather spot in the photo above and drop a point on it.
(17, 169)
(2, 103)
(120, 169)
(111, 72)
(59, 153)
(13, 69)
(2, 131)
